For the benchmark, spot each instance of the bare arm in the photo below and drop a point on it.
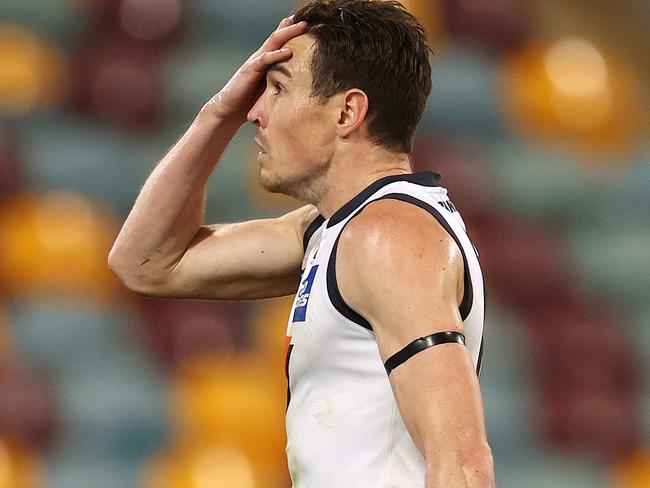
(437, 390)
(164, 250)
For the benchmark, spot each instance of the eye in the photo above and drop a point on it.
(277, 88)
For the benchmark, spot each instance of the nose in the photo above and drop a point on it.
(257, 114)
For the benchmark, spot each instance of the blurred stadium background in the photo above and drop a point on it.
(539, 108)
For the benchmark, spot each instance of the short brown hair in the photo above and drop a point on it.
(380, 48)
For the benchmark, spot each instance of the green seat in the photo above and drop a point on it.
(612, 260)
(539, 182)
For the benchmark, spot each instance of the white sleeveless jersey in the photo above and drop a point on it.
(344, 429)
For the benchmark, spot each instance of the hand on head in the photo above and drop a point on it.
(238, 95)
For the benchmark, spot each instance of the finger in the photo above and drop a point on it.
(287, 21)
(280, 37)
(262, 62)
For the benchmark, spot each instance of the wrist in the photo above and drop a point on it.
(209, 118)
(213, 112)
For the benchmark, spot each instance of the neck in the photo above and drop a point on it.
(350, 173)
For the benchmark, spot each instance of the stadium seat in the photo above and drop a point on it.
(180, 330)
(245, 23)
(28, 409)
(537, 181)
(193, 74)
(21, 467)
(11, 163)
(117, 82)
(66, 336)
(633, 471)
(614, 263)
(551, 470)
(34, 71)
(72, 467)
(56, 242)
(463, 99)
(214, 464)
(119, 414)
(499, 25)
(228, 398)
(67, 152)
(59, 21)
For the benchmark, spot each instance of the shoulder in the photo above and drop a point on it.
(395, 231)
(392, 248)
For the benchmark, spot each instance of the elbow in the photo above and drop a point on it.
(134, 280)
(117, 265)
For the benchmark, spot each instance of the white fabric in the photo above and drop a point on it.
(344, 429)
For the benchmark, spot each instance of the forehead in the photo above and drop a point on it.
(300, 62)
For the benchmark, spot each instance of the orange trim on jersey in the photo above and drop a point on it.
(287, 341)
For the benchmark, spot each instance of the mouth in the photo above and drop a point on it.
(260, 146)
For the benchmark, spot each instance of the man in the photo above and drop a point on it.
(384, 339)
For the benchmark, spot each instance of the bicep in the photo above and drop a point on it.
(254, 259)
(408, 287)
(439, 398)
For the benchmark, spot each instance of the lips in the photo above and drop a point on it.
(260, 145)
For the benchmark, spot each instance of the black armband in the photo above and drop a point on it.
(419, 345)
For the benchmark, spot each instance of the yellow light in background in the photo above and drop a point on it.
(579, 75)
(5, 464)
(576, 68)
(72, 233)
(633, 471)
(56, 242)
(572, 90)
(230, 399)
(19, 468)
(270, 319)
(32, 71)
(200, 465)
(223, 466)
(428, 13)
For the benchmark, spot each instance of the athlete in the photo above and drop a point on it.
(384, 340)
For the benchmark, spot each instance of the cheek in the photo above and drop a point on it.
(310, 135)
(299, 131)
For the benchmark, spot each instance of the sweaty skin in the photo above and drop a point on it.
(320, 153)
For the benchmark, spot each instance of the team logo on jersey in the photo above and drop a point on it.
(447, 205)
(300, 309)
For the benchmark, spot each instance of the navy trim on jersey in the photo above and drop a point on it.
(333, 287)
(468, 290)
(334, 293)
(480, 358)
(480, 351)
(425, 178)
(311, 230)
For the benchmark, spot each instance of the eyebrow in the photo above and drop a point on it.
(282, 69)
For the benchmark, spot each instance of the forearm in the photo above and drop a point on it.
(170, 207)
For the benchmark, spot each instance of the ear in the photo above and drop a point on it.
(351, 112)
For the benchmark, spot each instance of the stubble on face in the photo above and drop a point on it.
(308, 187)
(297, 137)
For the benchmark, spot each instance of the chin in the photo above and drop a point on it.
(302, 187)
(271, 183)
